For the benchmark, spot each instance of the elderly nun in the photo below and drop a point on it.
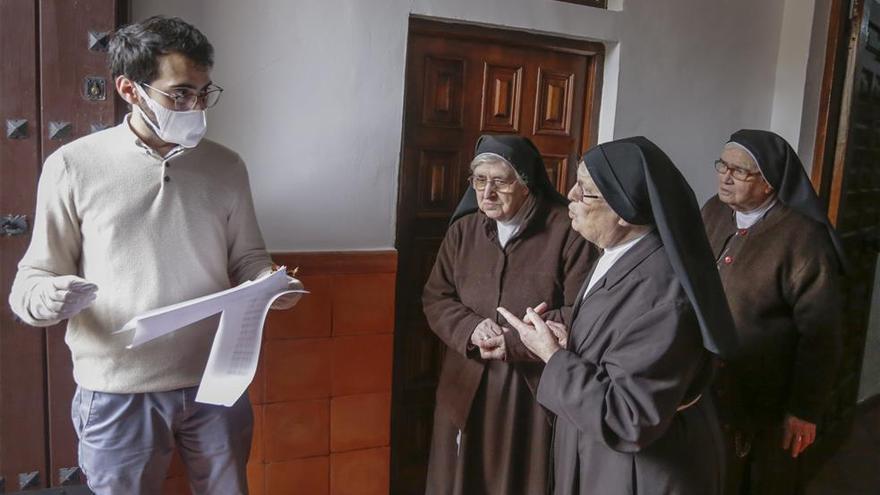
(508, 244)
(628, 384)
(780, 261)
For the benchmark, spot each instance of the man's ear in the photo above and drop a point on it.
(623, 223)
(127, 91)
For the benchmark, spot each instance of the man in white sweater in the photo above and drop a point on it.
(133, 218)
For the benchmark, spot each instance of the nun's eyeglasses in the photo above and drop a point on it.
(479, 183)
(584, 196)
(738, 173)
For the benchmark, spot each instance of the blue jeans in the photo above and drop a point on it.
(126, 441)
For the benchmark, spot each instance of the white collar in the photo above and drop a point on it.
(507, 230)
(745, 219)
(609, 258)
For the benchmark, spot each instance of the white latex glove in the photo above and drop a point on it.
(288, 301)
(59, 298)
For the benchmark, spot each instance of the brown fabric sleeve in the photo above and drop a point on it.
(814, 296)
(578, 259)
(451, 320)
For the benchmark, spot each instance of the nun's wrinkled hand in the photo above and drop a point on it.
(485, 330)
(493, 348)
(536, 335)
(798, 434)
(559, 331)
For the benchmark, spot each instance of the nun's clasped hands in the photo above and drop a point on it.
(541, 337)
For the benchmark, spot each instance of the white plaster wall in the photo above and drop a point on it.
(314, 92)
(791, 69)
(813, 82)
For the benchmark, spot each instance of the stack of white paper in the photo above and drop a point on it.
(236, 349)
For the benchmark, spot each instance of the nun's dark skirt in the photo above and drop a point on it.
(505, 448)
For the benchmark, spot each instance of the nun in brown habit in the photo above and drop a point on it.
(780, 262)
(628, 384)
(509, 243)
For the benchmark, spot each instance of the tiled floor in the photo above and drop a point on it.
(855, 469)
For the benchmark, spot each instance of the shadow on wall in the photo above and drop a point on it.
(869, 384)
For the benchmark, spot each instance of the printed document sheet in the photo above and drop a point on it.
(236, 349)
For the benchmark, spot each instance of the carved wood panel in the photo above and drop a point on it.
(501, 98)
(442, 103)
(553, 110)
(557, 169)
(437, 182)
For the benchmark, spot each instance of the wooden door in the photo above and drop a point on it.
(23, 433)
(846, 172)
(462, 82)
(55, 77)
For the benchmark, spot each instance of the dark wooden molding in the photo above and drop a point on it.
(455, 30)
(339, 262)
(831, 98)
(600, 4)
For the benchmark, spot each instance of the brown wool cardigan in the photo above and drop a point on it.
(781, 277)
(473, 275)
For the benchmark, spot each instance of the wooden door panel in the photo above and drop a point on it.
(462, 82)
(554, 103)
(849, 179)
(438, 182)
(74, 70)
(442, 101)
(22, 400)
(502, 87)
(558, 168)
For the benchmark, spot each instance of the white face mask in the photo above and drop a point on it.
(185, 128)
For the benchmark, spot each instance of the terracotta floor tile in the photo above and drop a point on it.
(297, 369)
(292, 430)
(310, 476)
(360, 422)
(257, 453)
(256, 473)
(363, 304)
(312, 315)
(360, 472)
(362, 364)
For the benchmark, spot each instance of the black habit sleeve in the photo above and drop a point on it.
(628, 399)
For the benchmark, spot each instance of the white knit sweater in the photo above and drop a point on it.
(106, 212)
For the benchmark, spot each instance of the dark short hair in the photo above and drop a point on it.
(135, 47)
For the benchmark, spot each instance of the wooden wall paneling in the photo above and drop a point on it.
(78, 97)
(23, 435)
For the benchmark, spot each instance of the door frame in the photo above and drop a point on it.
(456, 30)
